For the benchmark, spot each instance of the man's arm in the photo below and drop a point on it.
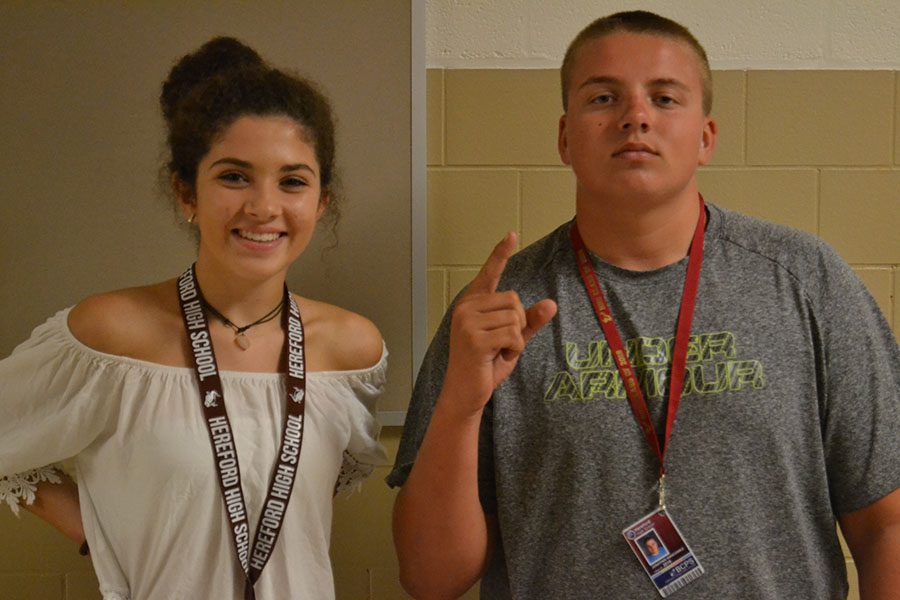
(442, 535)
(873, 535)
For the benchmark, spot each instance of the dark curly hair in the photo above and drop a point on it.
(209, 89)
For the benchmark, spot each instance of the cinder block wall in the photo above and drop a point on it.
(815, 150)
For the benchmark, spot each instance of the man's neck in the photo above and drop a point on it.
(638, 235)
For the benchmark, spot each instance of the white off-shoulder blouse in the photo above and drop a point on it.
(150, 500)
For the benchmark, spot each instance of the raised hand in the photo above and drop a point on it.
(488, 332)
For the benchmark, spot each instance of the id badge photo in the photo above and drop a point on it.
(660, 548)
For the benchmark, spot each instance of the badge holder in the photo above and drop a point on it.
(660, 548)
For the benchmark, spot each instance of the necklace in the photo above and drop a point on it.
(242, 341)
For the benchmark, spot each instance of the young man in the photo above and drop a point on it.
(652, 550)
(533, 443)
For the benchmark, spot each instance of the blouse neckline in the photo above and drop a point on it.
(79, 346)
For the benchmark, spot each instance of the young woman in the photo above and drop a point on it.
(213, 416)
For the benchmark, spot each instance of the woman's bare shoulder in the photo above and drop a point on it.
(125, 322)
(343, 340)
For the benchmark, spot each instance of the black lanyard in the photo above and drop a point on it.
(253, 559)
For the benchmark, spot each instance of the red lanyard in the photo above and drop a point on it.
(679, 353)
(253, 558)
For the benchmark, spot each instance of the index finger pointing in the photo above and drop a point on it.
(488, 277)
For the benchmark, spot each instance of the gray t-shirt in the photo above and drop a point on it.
(790, 415)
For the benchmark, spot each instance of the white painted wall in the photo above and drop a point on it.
(737, 34)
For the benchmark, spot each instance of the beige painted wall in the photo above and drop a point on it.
(765, 34)
(81, 137)
(784, 154)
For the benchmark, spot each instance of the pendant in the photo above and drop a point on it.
(242, 341)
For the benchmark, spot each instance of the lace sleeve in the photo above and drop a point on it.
(22, 486)
(356, 395)
(352, 474)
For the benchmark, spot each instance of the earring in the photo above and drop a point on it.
(190, 220)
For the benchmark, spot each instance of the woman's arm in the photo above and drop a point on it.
(57, 504)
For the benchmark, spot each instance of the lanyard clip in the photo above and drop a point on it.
(662, 492)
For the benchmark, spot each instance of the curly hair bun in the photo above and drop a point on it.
(217, 56)
(224, 80)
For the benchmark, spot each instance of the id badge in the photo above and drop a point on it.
(662, 551)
